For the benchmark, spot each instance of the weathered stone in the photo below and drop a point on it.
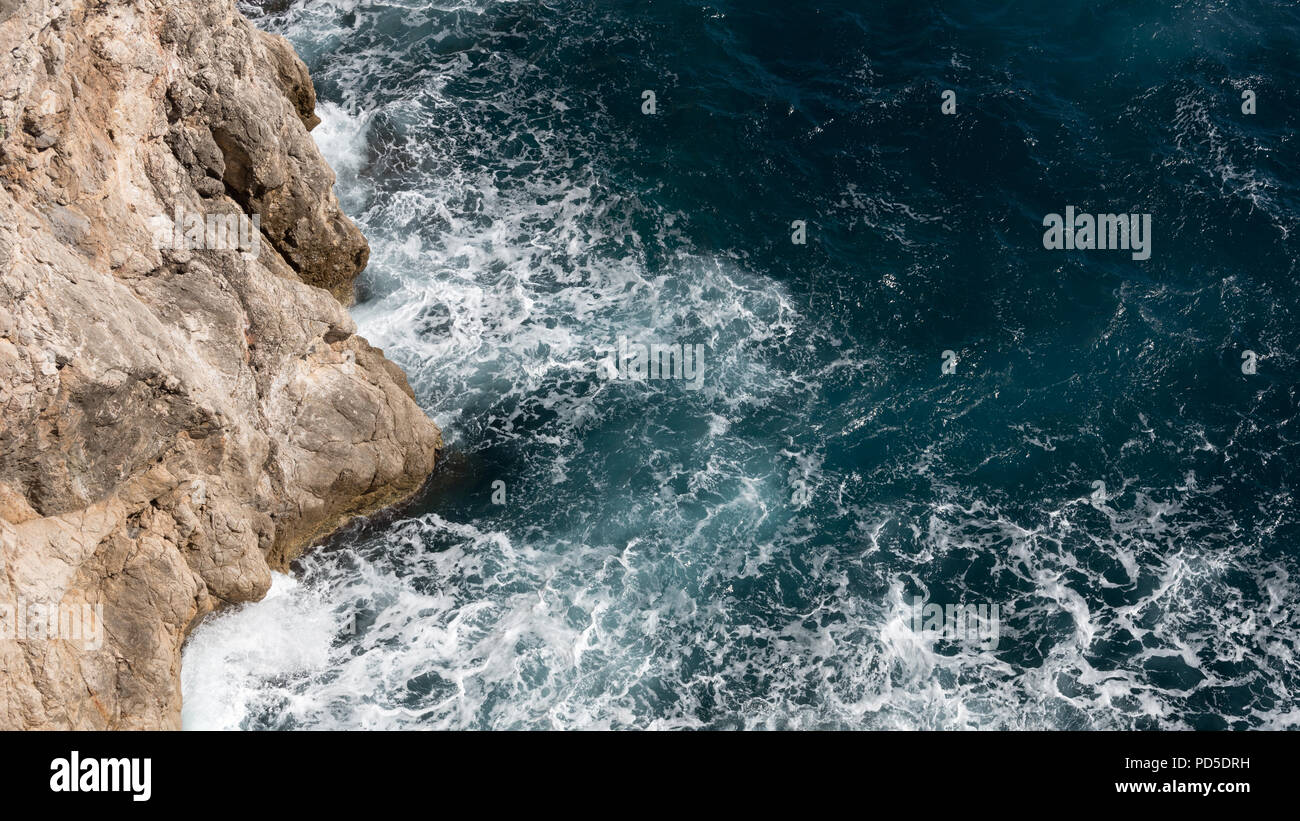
(174, 422)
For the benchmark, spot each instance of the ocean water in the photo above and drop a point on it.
(747, 549)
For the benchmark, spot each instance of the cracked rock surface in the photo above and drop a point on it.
(174, 423)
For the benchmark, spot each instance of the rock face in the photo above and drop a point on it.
(174, 422)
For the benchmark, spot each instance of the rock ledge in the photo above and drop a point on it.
(174, 421)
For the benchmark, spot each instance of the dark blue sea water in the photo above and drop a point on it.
(747, 550)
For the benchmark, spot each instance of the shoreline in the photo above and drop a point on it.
(181, 417)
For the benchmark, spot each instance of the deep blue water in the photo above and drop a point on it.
(747, 554)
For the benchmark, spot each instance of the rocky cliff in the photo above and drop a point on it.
(178, 413)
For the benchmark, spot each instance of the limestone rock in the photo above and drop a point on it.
(174, 421)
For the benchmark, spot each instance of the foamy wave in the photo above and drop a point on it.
(652, 564)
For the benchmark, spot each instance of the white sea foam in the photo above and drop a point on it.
(232, 663)
(681, 589)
